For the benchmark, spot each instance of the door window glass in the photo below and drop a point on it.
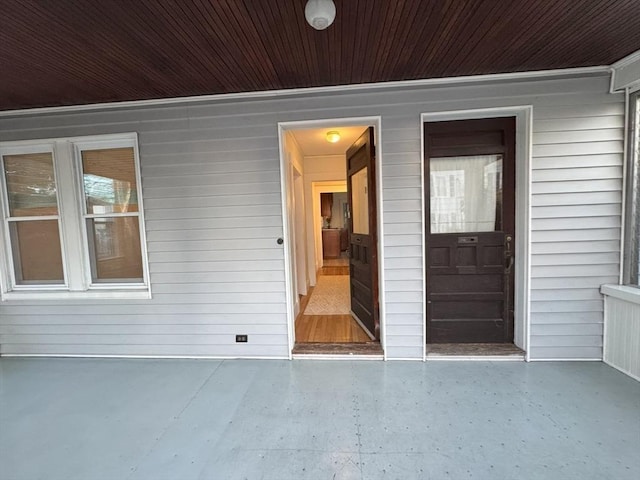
(360, 202)
(466, 194)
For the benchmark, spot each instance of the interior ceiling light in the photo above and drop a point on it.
(333, 136)
(320, 13)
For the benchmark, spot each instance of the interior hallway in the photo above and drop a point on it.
(90, 419)
(329, 327)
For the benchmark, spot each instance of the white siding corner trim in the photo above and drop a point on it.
(625, 73)
(523, 115)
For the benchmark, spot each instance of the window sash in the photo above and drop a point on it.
(12, 282)
(91, 271)
(120, 253)
(33, 258)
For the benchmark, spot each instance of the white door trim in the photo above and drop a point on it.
(376, 123)
(522, 266)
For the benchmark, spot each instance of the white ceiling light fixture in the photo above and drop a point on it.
(320, 13)
(333, 136)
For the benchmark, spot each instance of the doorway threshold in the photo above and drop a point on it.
(475, 351)
(367, 349)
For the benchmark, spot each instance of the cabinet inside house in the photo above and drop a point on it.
(334, 223)
(330, 242)
(326, 205)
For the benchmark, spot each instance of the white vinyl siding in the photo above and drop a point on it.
(211, 185)
(575, 223)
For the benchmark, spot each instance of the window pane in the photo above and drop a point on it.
(466, 194)
(110, 180)
(31, 185)
(360, 202)
(114, 248)
(37, 257)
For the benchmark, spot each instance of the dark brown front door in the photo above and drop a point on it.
(470, 225)
(363, 234)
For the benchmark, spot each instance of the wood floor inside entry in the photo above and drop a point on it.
(328, 328)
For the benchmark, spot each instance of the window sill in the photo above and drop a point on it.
(622, 292)
(144, 294)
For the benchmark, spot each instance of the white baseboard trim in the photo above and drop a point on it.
(143, 357)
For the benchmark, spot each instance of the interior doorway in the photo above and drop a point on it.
(340, 311)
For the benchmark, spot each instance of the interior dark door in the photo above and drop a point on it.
(470, 224)
(363, 235)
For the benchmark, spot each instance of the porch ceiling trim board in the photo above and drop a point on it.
(580, 72)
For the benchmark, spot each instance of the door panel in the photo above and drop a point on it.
(363, 251)
(470, 191)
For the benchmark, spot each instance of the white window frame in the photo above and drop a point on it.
(78, 282)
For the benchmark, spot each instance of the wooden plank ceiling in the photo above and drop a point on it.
(86, 51)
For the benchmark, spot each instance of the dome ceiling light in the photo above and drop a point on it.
(320, 13)
(333, 136)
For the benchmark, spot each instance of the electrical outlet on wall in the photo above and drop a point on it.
(242, 338)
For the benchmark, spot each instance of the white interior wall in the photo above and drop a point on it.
(300, 230)
(300, 267)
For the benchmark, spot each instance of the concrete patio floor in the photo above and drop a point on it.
(259, 419)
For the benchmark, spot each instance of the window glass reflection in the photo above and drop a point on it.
(466, 194)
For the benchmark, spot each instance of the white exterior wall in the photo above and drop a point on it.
(211, 186)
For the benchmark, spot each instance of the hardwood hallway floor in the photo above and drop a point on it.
(328, 328)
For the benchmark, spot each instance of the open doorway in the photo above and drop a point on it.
(336, 304)
(326, 311)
